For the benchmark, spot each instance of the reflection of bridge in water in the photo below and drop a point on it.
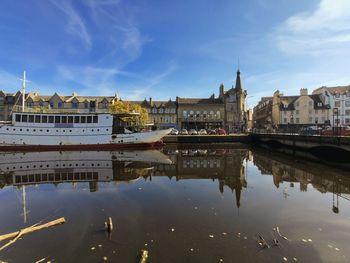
(320, 177)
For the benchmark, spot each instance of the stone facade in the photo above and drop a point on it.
(163, 114)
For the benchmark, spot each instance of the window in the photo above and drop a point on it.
(59, 105)
(57, 119)
(154, 110)
(347, 112)
(347, 103)
(297, 112)
(18, 117)
(76, 119)
(172, 110)
(83, 119)
(161, 110)
(316, 119)
(296, 120)
(184, 114)
(70, 119)
(310, 119)
(74, 105)
(166, 110)
(347, 121)
(52, 105)
(337, 104)
(41, 104)
(51, 119)
(37, 118)
(89, 119)
(319, 104)
(323, 119)
(285, 120)
(218, 114)
(86, 105)
(316, 111)
(31, 118)
(95, 119)
(64, 119)
(44, 119)
(337, 95)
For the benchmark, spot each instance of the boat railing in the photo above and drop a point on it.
(18, 108)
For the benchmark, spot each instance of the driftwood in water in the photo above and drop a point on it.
(16, 235)
(144, 256)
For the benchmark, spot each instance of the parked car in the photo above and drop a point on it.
(337, 131)
(211, 132)
(202, 132)
(184, 132)
(174, 132)
(311, 130)
(220, 131)
(193, 132)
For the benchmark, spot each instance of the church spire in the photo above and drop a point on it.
(238, 81)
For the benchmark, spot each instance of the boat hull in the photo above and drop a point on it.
(80, 147)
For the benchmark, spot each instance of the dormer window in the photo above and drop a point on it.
(319, 104)
(337, 95)
(74, 105)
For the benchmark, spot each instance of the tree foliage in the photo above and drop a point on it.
(129, 107)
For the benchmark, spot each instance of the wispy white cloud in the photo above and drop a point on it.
(76, 25)
(104, 81)
(324, 31)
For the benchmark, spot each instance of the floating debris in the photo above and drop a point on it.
(295, 259)
(224, 233)
(263, 243)
(221, 260)
(279, 233)
(140, 188)
(337, 249)
(245, 237)
(310, 240)
(191, 249)
(211, 236)
(105, 258)
(99, 245)
(173, 229)
(330, 246)
(114, 252)
(144, 256)
(304, 240)
(276, 243)
(93, 248)
(285, 259)
(146, 244)
(195, 208)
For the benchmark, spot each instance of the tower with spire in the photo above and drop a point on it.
(234, 101)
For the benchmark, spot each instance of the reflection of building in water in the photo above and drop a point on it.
(321, 178)
(93, 167)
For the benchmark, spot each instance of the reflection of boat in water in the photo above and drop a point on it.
(51, 167)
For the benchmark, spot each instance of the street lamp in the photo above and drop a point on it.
(292, 122)
(335, 113)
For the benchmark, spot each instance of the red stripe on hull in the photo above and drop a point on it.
(80, 147)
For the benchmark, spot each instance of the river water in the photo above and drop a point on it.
(181, 204)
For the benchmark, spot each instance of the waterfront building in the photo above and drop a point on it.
(339, 101)
(285, 112)
(163, 114)
(227, 111)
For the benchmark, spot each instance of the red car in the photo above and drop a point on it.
(337, 131)
(220, 131)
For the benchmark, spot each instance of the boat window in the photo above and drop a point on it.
(89, 119)
(64, 119)
(95, 119)
(37, 118)
(83, 119)
(70, 119)
(24, 118)
(31, 118)
(18, 117)
(51, 119)
(44, 119)
(76, 119)
(57, 119)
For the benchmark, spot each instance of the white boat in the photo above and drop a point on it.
(30, 131)
(56, 131)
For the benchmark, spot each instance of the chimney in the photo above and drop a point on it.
(74, 94)
(150, 100)
(303, 92)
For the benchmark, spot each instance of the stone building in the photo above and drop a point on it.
(262, 113)
(226, 111)
(162, 114)
(339, 101)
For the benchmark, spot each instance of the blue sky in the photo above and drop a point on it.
(164, 49)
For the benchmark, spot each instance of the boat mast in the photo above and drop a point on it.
(23, 90)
